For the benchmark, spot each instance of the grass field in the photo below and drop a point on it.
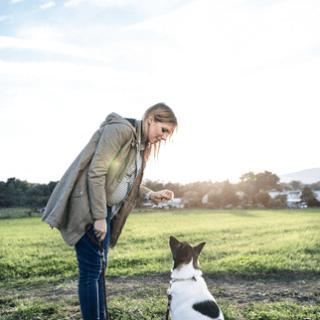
(38, 271)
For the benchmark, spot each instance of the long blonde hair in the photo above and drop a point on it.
(164, 114)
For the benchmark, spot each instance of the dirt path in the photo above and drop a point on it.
(237, 291)
(240, 291)
(269, 290)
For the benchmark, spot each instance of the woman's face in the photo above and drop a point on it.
(159, 131)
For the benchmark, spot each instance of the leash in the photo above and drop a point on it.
(169, 306)
(194, 278)
(100, 245)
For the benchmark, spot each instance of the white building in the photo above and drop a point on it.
(293, 198)
(175, 203)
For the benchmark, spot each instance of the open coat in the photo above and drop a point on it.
(80, 197)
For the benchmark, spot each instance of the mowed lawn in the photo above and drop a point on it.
(265, 244)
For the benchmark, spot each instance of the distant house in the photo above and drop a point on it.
(240, 194)
(293, 198)
(205, 199)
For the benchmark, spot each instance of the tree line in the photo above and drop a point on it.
(251, 190)
(17, 193)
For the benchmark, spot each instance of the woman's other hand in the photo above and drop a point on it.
(100, 228)
(161, 196)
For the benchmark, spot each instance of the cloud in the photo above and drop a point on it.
(47, 5)
(73, 3)
(45, 32)
(16, 1)
(153, 8)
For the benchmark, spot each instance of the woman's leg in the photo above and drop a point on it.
(90, 287)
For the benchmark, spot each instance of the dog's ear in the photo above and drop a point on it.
(199, 248)
(173, 243)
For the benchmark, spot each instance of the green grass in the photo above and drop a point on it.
(253, 243)
(279, 244)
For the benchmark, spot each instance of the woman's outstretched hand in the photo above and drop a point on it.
(161, 196)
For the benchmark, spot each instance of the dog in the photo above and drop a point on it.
(188, 294)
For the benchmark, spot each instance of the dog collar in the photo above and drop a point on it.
(187, 279)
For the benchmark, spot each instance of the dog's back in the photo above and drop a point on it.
(191, 298)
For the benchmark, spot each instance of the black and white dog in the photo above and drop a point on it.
(188, 292)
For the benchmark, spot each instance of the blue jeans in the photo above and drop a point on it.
(90, 287)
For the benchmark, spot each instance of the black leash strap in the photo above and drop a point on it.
(169, 305)
(101, 248)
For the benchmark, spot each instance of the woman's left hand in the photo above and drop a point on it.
(162, 196)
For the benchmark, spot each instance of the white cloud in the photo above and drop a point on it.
(47, 5)
(42, 33)
(16, 1)
(152, 8)
(73, 3)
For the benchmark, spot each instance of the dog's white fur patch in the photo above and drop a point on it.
(186, 293)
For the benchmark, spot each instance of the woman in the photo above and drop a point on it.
(101, 187)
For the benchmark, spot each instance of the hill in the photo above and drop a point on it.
(305, 176)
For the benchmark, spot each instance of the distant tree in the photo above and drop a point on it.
(266, 181)
(309, 197)
(4, 195)
(12, 192)
(285, 186)
(33, 194)
(296, 185)
(223, 194)
(262, 198)
(282, 198)
(247, 184)
(251, 184)
(19, 193)
(215, 200)
(215, 197)
(280, 201)
(38, 195)
(202, 188)
(154, 185)
(315, 186)
(176, 188)
(312, 203)
(307, 194)
(191, 199)
(51, 186)
(229, 194)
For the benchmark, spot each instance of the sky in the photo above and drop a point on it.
(242, 77)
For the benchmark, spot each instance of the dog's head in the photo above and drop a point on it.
(183, 253)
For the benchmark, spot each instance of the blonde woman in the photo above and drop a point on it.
(101, 187)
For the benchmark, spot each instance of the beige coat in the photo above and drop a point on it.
(80, 196)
